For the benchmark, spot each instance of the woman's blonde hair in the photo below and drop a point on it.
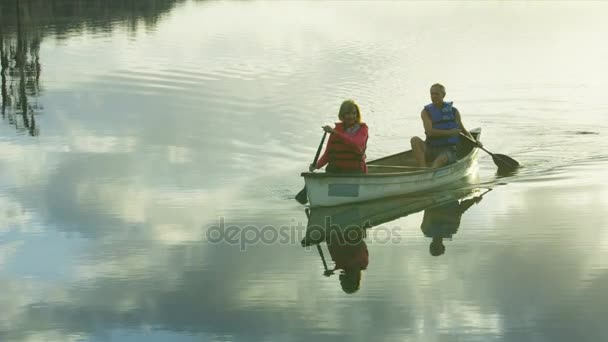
(347, 107)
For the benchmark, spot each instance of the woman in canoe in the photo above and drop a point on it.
(345, 151)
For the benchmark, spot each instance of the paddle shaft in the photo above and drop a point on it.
(322, 257)
(483, 148)
(327, 272)
(301, 196)
(476, 143)
(319, 149)
(485, 192)
(504, 163)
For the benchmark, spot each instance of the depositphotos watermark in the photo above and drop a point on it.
(296, 233)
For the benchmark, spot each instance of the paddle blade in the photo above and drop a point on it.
(301, 196)
(505, 163)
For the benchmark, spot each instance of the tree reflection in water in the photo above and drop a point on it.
(23, 26)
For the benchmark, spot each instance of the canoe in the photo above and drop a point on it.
(379, 212)
(393, 175)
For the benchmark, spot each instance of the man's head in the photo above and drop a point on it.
(436, 248)
(437, 93)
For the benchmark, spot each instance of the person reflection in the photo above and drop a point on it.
(442, 222)
(349, 252)
(347, 249)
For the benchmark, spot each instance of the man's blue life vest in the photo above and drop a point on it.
(445, 119)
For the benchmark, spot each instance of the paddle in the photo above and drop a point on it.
(301, 196)
(327, 272)
(504, 163)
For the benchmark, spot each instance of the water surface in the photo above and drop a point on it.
(130, 130)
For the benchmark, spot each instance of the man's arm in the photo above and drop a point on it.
(462, 129)
(430, 131)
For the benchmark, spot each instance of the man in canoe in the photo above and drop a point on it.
(345, 151)
(442, 126)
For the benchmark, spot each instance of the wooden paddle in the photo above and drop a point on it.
(301, 196)
(504, 163)
(327, 272)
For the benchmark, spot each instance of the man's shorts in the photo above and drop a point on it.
(433, 152)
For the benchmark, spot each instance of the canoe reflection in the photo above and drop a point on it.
(344, 228)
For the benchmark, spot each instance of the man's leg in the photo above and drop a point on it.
(440, 161)
(446, 157)
(419, 149)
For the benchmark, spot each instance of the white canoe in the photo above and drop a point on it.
(393, 175)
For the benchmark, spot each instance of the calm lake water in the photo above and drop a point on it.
(131, 130)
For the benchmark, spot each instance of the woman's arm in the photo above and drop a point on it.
(324, 159)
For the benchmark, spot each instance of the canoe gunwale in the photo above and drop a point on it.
(461, 161)
(368, 175)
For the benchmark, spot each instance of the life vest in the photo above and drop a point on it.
(343, 156)
(349, 255)
(444, 119)
(442, 221)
